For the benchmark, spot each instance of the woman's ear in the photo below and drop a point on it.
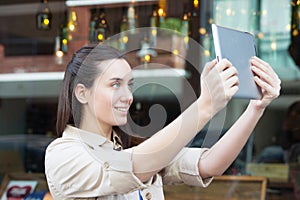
(81, 93)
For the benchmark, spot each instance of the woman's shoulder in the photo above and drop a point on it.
(63, 148)
(74, 138)
(60, 142)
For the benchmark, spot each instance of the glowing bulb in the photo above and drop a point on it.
(228, 11)
(186, 39)
(100, 37)
(46, 21)
(175, 52)
(154, 32)
(288, 27)
(59, 54)
(160, 12)
(273, 45)
(196, 3)
(65, 41)
(260, 35)
(295, 32)
(125, 39)
(206, 53)
(147, 58)
(202, 31)
(185, 17)
(72, 21)
(264, 12)
(73, 16)
(71, 27)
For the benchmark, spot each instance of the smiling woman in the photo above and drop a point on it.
(113, 88)
(94, 155)
(102, 81)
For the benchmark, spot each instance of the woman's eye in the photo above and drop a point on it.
(130, 85)
(116, 85)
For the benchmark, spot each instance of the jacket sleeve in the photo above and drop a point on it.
(184, 169)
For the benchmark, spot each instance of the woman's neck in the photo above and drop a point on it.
(105, 131)
(90, 123)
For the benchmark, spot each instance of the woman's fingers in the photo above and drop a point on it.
(230, 81)
(229, 72)
(229, 78)
(219, 83)
(264, 70)
(267, 80)
(208, 67)
(266, 77)
(223, 65)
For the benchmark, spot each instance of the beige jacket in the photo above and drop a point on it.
(84, 165)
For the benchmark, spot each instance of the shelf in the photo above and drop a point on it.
(48, 84)
(74, 3)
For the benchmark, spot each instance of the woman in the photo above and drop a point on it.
(87, 160)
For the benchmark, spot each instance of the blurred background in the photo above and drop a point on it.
(38, 38)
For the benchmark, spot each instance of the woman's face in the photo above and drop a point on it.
(111, 94)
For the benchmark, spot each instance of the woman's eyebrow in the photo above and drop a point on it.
(120, 79)
(116, 79)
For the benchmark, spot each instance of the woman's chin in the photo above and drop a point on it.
(121, 122)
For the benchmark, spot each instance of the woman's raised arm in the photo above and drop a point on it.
(219, 157)
(218, 84)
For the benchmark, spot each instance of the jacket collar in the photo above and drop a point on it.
(92, 139)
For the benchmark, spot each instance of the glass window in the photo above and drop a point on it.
(271, 31)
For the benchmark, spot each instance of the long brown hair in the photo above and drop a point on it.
(83, 69)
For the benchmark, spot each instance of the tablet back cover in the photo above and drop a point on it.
(238, 47)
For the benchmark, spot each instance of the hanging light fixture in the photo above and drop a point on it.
(43, 16)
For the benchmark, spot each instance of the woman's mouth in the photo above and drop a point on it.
(122, 109)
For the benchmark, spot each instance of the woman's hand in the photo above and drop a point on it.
(219, 82)
(267, 80)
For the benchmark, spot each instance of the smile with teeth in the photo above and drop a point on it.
(122, 109)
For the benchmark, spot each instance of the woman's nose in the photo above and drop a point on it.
(127, 96)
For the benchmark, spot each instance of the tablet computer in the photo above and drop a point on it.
(238, 47)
